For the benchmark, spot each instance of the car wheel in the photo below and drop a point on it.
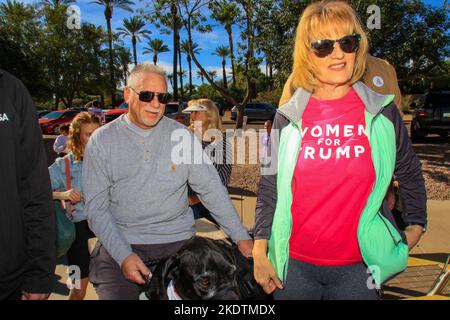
(55, 130)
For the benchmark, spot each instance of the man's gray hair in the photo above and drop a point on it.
(142, 68)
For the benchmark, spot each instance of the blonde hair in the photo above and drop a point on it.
(318, 19)
(212, 112)
(74, 144)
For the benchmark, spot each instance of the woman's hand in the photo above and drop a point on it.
(264, 272)
(413, 234)
(72, 195)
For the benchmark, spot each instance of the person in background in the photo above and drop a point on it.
(265, 137)
(81, 129)
(27, 214)
(323, 228)
(205, 116)
(61, 141)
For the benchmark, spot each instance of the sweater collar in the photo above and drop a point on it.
(374, 102)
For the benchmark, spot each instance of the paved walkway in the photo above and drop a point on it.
(425, 261)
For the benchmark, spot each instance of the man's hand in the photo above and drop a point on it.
(35, 296)
(246, 248)
(135, 270)
(413, 234)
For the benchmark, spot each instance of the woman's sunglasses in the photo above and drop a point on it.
(147, 96)
(325, 47)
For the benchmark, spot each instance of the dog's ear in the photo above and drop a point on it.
(166, 270)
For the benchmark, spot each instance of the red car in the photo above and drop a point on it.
(51, 122)
(113, 114)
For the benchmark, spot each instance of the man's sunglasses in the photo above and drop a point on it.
(325, 47)
(147, 96)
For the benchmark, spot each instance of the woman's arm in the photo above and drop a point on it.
(408, 171)
(72, 195)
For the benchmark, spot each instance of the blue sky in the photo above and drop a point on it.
(93, 13)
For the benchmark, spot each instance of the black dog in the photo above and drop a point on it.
(204, 269)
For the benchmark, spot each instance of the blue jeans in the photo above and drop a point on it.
(305, 281)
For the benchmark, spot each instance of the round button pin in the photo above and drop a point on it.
(378, 81)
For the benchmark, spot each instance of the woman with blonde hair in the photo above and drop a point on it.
(323, 228)
(206, 123)
(81, 129)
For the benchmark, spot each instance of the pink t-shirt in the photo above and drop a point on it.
(332, 180)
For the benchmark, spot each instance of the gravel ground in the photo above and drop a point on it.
(434, 154)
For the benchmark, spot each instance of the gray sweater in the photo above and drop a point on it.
(136, 194)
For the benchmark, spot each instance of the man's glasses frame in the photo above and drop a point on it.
(148, 96)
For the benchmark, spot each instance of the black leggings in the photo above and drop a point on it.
(305, 281)
(78, 253)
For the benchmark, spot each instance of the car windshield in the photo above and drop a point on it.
(171, 108)
(53, 115)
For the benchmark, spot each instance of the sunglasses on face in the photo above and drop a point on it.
(147, 96)
(325, 47)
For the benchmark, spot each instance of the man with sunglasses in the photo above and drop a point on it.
(136, 193)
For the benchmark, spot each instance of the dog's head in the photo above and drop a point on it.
(203, 269)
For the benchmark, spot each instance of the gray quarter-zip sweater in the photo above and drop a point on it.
(136, 193)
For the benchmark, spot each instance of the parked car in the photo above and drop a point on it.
(41, 113)
(432, 116)
(51, 122)
(256, 111)
(174, 110)
(113, 114)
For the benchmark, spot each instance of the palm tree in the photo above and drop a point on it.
(182, 74)
(155, 47)
(212, 74)
(200, 76)
(123, 59)
(133, 28)
(227, 14)
(223, 52)
(185, 49)
(109, 5)
(14, 17)
(56, 3)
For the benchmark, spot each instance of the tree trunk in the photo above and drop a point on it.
(181, 69)
(56, 102)
(174, 11)
(190, 72)
(133, 40)
(225, 84)
(111, 62)
(230, 40)
(155, 59)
